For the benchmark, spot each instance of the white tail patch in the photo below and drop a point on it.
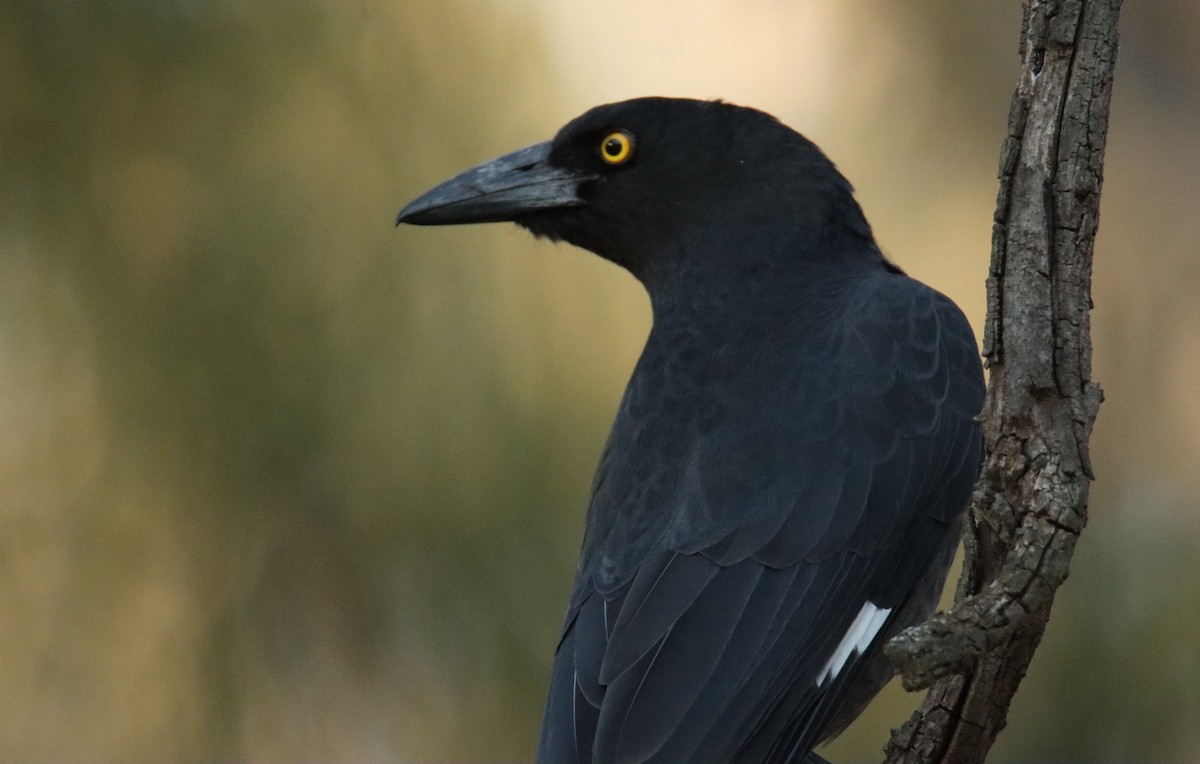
(858, 638)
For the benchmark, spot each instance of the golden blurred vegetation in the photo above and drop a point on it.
(278, 482)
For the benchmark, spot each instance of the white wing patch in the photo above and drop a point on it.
(858, 638)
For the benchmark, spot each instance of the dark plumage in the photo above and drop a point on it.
(782, 486)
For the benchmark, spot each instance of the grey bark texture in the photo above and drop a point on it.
(1030, 504)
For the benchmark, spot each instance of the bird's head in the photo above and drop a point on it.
(654, 184)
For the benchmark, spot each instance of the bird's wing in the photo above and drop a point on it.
(803, 529)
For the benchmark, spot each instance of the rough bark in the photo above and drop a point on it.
(1030, 504)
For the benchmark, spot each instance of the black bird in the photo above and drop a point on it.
(782, 487)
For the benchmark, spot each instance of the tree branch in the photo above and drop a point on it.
(1030, 504)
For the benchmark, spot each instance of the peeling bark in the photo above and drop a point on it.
(1030, 504)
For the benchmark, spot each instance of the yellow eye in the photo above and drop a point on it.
(616, 147)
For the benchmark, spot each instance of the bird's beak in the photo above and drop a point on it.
(499, 190)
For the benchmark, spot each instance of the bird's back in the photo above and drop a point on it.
(774, 473)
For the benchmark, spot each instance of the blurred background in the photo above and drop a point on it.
(279, 482)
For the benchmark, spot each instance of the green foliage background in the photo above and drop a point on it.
(278, 482)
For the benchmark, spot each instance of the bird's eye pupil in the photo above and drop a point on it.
(612, 147)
